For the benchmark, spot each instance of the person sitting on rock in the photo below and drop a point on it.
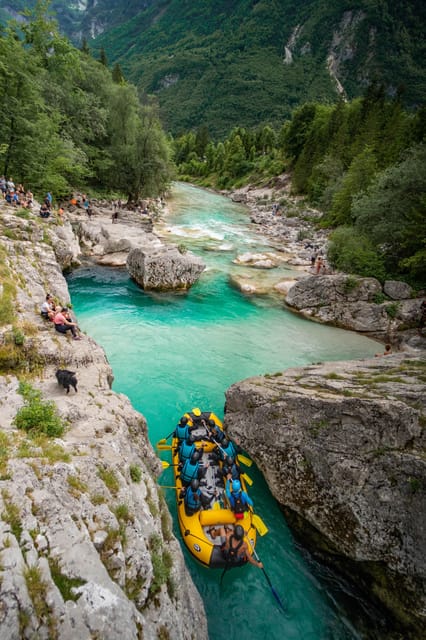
(387, 351)
(238, 499)
(64, 324)
(47, 310)
(44, 211)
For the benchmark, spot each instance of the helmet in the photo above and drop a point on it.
(195, 484)
(196, 411)
(236, 485)
(238, 532)
(225, 443)
(196, 456)
(212, 423)
(190, 439)
(183, 421)
(229, 461)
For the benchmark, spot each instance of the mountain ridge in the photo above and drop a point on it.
(251, 63)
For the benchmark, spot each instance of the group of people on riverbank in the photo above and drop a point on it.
(60, 316)
(16, 195)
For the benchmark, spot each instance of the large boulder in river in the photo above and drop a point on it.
(164, 268)
(352, 302)
(342, 448)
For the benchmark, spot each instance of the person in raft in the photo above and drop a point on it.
(194, 498)
(63, 323)
(238, 499)
(215, 433)
(193, 468)
(235, 549)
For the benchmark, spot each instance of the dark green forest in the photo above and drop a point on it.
(250, 62)
(222, 63)
(66, 120)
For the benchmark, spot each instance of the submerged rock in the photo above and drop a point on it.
(342, 447)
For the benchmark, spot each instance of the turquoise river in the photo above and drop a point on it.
(172, 352)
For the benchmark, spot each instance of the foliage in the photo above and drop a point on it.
(393, 214)
(38, 416)
(135, 473)
(222, 64)
(354, 253)
(67, 122)
(110, 479)
(65, 584)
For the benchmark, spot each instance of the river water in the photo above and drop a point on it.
(171, 352)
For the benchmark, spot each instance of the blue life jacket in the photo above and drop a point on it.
(182, 432)
(189, 472)
(192, 499)
(239, 505)
(186, 450)
(230, 451)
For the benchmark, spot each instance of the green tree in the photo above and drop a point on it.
(392, 213)
(84, 46)
(235, 162)
(117, 74)
(360, 174)
(352, 252)
(103, 57)
(139, 150)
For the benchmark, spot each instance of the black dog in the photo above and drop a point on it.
(67, 379)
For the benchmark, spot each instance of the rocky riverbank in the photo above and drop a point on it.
(388, 312)
(342, 447)
(86, 545)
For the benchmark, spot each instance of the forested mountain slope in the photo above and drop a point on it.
(248, 62)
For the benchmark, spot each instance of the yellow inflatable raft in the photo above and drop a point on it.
(200, 531)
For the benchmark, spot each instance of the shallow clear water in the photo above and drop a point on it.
(171, 352)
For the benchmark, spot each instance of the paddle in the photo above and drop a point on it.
(244, 460)
(164, 440)
(166, 465)
(261, 527)
(164, 447)
(274, 592)
(247, 479)
(167, 486)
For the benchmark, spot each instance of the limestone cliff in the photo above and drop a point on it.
(86, 546)
(342, 447)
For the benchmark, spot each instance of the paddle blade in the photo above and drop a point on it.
(244, 460)
(164, 447)
(165, 464)
(247, 479)
(261, 527)
(162, 441)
